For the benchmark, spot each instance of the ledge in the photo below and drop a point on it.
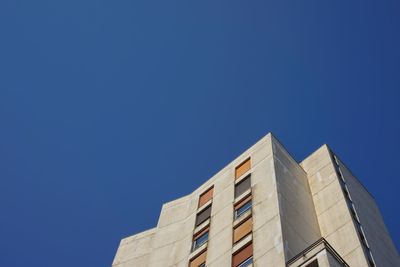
(311, 251)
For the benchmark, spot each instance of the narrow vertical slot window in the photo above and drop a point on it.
(199, 260)
(314, 263)
(242, 186)
(244, 257)
(242, 168)
(206, 196)
(242, 230)
(242, 207)
(200, 238)
(203, 215)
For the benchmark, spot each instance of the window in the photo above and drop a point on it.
(346, 192)
(242, 230)
(206, 196)
(242, 168)
(370, 260)
(200, 238)
(241, 187)
(313, 264)
(336, 160)
(362, 236)
(364, 241)
(242, 207)
(199, 260)
(246, 262)
(240, 211)
(203, 215)
(200, 241)
(353, 212)
(243, 255)
(341, 179)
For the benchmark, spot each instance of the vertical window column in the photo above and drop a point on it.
(243, 221)
(201, 231)
(356, 219)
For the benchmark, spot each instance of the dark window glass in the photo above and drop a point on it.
(198, 242)
(241, 187)
(246, 262)
(346, 192)
(361, 234)
(342, 181)
(203, 215)
(362, 237)
(353, 213)
(371, 262)
(240, 211)
(313, 264)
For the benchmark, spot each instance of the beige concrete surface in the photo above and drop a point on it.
(294, 205)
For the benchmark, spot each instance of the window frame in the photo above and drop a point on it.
(246, 179)
(246, 207)
(201, 202)
(196, 245)
(198, 222)
(246, 249)
(313, 263)
(248, 220)
(239, 173)
(246, 262)
(202, 255)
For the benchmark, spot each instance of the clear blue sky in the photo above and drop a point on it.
(110, 108)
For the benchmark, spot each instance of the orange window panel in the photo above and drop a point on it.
(242, 230)
(242, 255)
(200, 259)
(242, 168)
(206, 196)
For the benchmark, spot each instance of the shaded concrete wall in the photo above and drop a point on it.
(298, 220)
(331, 261)
(335, 221)
(376, 233)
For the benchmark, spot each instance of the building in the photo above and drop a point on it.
(265, 209)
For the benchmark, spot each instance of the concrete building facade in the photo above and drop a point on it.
(265, 209)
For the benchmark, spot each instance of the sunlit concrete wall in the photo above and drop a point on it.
(169, 243)
(293, 206)
(334, 216)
